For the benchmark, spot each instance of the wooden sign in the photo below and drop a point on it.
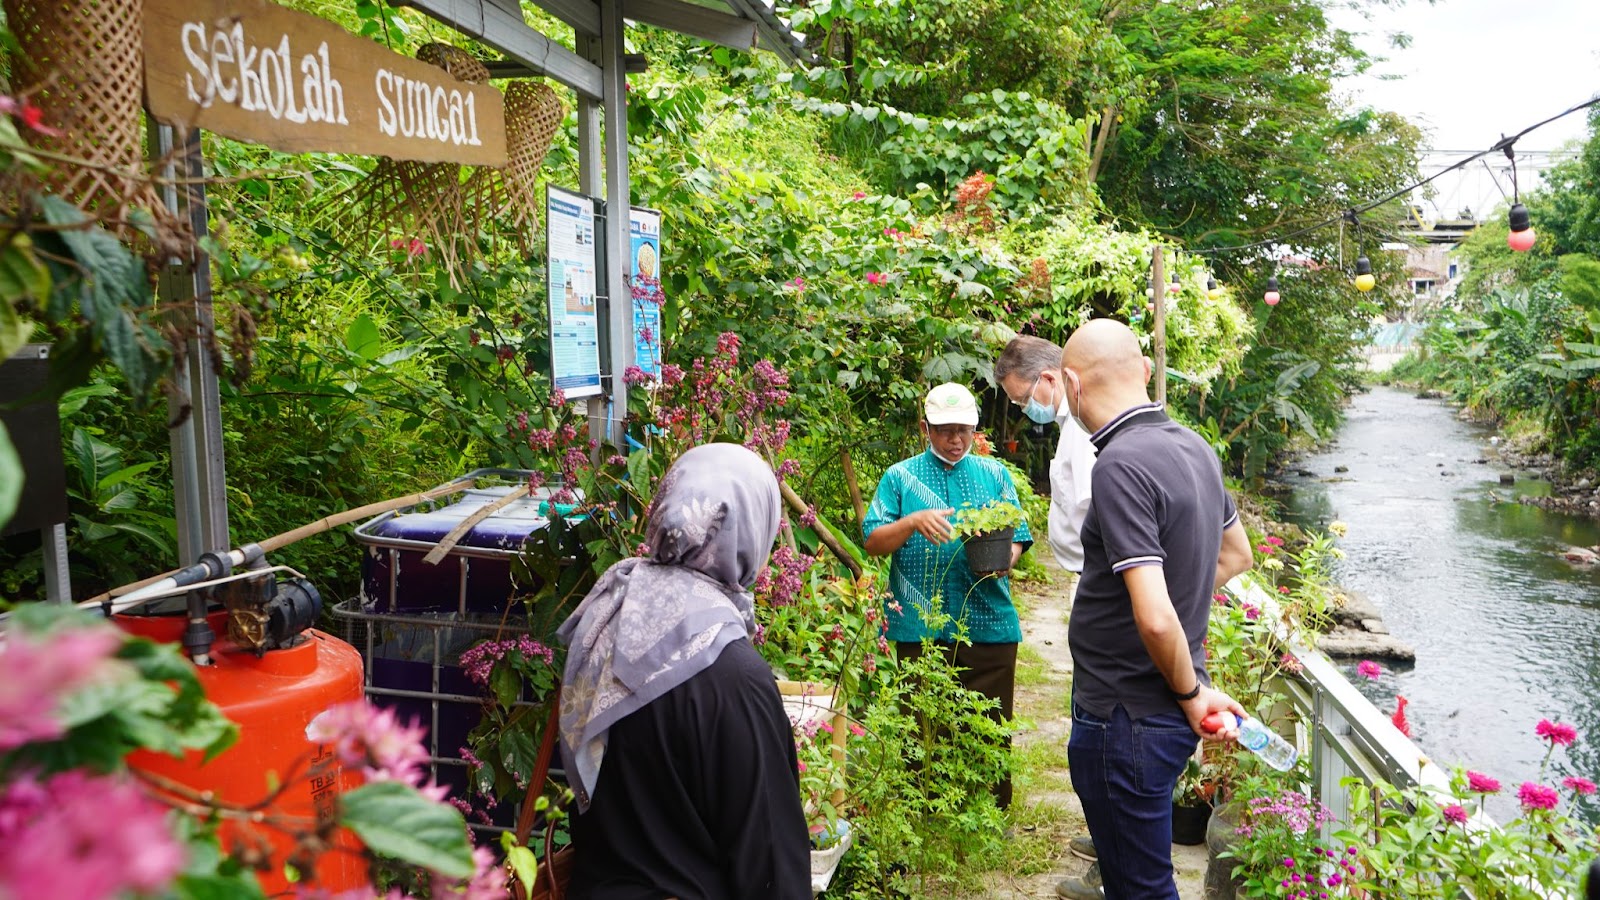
(258, 72)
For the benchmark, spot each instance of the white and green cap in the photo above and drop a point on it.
(950, 404)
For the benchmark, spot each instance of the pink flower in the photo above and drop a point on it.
(1479, 783)
(1455, 813)
(1369, 669)
(1290, 664)
(1283, 589)
(1537, 796)
(859, 195)
(1275, 541)
(1556, 732)
(1219, 599)
(83, 836)
(1266, 549)
(798, 283)
(1578, 785)
(38, 674)
(876, 278)
(858, 731)
(372, 738)
(1251, 612)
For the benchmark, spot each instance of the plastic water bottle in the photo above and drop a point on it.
(1258, 739)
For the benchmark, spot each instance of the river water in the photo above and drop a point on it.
(1506, 632)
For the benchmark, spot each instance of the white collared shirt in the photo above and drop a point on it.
(1070, 492)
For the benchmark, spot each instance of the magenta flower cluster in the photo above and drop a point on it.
(39, 673)
(479, 660)
(1292, 809)
(83, 836)
(375, 741)
(780, 583)
(1479, 783)
(1537, 796)
(1304, 883)
(1556, 732)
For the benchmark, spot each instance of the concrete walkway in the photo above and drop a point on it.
(1046, 811)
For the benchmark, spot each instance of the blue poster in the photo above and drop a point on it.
(574, 321)
(644, 283)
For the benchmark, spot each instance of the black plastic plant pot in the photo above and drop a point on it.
(990, 551)
(1189, 824)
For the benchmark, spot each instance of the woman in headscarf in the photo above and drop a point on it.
(675, 739)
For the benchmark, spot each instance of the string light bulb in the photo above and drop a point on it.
(1522, 236)
(1175, 287)
(1364, 280)
(1213, 292)
(1271, 296)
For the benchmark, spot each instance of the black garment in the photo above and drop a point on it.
(699, 796)
(1158, 500)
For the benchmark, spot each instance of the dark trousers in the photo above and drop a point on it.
(1124, 771)
(989, 669)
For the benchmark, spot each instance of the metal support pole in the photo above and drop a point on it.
(198, 470)
(591, 182)
(57, 576)
(1158, 326)
(619, 315)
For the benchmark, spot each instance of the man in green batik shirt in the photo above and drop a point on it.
(910, 518)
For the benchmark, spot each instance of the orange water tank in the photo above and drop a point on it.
(271, 698)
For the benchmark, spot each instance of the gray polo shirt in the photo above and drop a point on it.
(1158, 501)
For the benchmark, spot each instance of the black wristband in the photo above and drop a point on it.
(1189, 696)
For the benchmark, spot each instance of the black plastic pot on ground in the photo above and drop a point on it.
(1189, 824)
(990, 551)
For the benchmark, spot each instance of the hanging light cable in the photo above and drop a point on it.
(1364, 279)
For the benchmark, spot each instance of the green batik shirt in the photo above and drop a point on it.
(920, 570)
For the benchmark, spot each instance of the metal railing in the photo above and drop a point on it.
(1340, 730)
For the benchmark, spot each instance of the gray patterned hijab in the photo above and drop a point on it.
(651, 624)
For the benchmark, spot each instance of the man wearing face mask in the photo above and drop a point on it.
(910, 518)
(1029, 371)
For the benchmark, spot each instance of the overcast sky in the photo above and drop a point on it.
(1478, 68)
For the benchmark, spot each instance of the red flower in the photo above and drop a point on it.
(1537, 796)
(1578, 785)
(877, 278)
(1479, 783)
(1369, 668)
(1455, 813)
(1556, 732)
(1399, 717)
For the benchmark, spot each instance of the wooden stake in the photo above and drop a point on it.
(1158, 327)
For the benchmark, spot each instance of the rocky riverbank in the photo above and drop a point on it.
(1359, 633)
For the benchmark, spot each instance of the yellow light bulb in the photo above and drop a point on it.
(1366, 282)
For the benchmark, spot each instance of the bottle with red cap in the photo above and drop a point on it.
(1257, 738)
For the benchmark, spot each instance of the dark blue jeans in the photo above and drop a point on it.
(1124, 772)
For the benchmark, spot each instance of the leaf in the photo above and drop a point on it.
(524, 865)
(94, 459)
(363, 338)
(10, 477)
(395, 820)
(125, 473)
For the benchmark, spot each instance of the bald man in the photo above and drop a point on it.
(1161, 536)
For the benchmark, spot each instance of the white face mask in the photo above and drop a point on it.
(940, 456)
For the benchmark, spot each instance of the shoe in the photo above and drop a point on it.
(1092, 877)
(1076, 889)
(1082, 847)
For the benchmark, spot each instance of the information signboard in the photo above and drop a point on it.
(644, 276)
(572, 267)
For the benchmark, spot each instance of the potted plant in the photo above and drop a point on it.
(987, 531)
(1191, 804)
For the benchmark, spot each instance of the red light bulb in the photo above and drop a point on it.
(1522, 236)
(1271, 295)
